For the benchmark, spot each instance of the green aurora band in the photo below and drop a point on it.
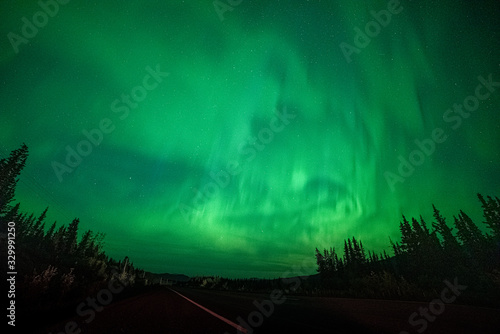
(309, 181)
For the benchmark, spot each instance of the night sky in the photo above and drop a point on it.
(235, 143)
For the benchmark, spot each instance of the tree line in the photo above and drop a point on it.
(423, 257)
(55, 266)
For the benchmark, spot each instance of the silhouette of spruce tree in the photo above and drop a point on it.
(10, 169)
(491, 213)
(473, 241)
(451, 247)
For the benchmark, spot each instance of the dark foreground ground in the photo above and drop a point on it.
(164, 311)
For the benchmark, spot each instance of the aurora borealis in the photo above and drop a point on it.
(258, 141)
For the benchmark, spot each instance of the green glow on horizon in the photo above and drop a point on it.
(318, 181)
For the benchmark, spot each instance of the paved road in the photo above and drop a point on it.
(160, 311)
(346, 315)
(165, 311)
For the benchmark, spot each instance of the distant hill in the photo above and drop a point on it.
(163, 278)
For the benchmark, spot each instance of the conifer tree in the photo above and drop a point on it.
(451, 257)
(59, 242)
(25, 227)
(407, 237)
(396, 247)
(10, 169)
(491, 213)
(362, 253)
(356, 251)
(71, 237)
(450, 243)
(350, 250)
(84, 244)
(320, 261)
(38, 227)
(471, 237)
(48, 239)
(13, 214)
(347, 256)
(50, 232)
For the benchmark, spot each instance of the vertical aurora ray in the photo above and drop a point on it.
(316, 182)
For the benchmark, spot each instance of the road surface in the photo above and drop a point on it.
(183, 310)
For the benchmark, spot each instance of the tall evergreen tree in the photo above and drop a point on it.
(48, 240)
(25, 227)
(407, 237)
(347, 255)
(351, 251)
(10, 169)
(491, 213)
(84, 244)
(356, 251)
(12, 215)
(96, 247)
(432, 239)
(362, 253)
(320, 261)
(59, 242)
(450, 243)
(50, 233)
(396, 247)
(71, 237)
(418, 233)
(471, 237)
(423, 224)
(38, 227)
